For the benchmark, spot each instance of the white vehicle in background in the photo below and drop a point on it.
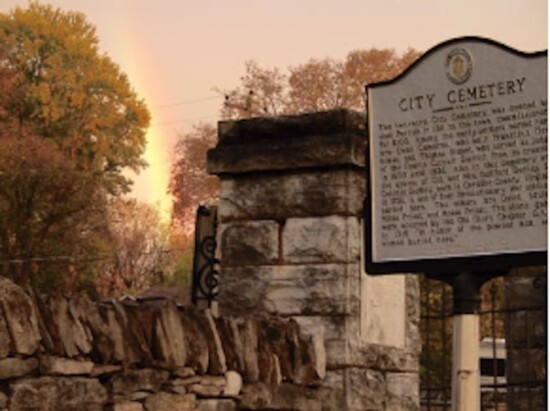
(492, 364)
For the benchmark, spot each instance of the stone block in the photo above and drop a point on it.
(138, 380)
(128, 406)
(17, 367)
(281, 196)
(366, 390)
(269, 128)
(64, 366)
(21, 319)
(290, 154)
(217, 405)
(403, 391)
(249, 243)
(234, 384)
(332, 239)
(5, 339)
(164, 401)
(58, 393)
(385, 358)
(3, 400)
(169, 337)
(289, 397)
(320, 289)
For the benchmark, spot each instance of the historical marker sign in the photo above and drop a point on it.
(458, 161)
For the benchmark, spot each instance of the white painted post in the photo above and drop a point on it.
(465, 396)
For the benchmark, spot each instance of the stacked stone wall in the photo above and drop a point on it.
(69, 354)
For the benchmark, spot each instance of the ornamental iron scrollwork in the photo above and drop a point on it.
(205, 273)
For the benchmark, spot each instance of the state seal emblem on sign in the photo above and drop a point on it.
(459, 65)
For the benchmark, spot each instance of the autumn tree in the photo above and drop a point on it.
(189, 183)
(317, 85)
(70, 123)
(139, 247)
(261, 93)
(72, 94)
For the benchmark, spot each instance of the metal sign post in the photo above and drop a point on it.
(457, 178)
(466, 308)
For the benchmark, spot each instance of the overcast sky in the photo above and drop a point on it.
(176, 51)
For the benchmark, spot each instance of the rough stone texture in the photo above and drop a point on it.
(3, 400)
(5, 340)
(403, 391)
(217, 405)
(128, 406)
(63, 366)
(250, 243)
(170, 338)
(332, 138)
(17, 367)
(234, 384)
(170, 402)
(137, 368)
(280, 196)
(331, 239)
(20, 318)
(138, 380)
(56, 394)
(322, 289)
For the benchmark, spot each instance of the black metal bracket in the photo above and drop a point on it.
(205, 273)
(466, 289)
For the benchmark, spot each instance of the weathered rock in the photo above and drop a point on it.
(247, 348)
(280, 196)
(250, 243)
(117, 348)
(17, 367)
(216, 405)
(20, 316)
(74, 338)
(163, 401)
(234, 384)
(217, 364)
(63, 366)
(402, 391)
(213, 381)
(3, 400)
(286, 397)
(331, 239)
(196, 340)
(58, 393)
(149, 380)
(5, 339)
(140, 330)
(184, 372)
(105, 370)
(128, 406)
(205, 391)
(170, 338)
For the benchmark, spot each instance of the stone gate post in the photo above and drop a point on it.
(290, 215)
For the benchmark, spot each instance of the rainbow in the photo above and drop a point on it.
(151, 185)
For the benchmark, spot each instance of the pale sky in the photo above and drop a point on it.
(176, 51)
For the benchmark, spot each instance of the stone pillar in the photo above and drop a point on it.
(290, 215)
